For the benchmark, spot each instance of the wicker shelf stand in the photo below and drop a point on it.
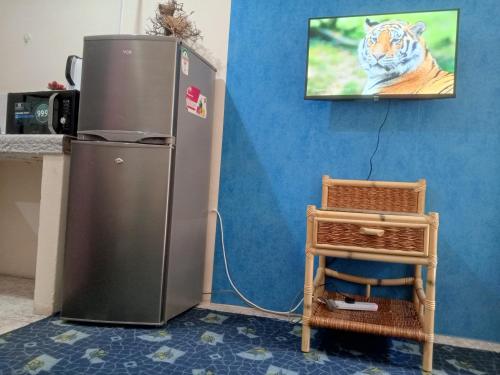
(374, 221)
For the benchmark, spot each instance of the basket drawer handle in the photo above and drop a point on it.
(372, 231)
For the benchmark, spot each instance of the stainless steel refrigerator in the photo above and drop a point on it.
(139, 181)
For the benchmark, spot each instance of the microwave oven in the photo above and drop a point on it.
(43, 112)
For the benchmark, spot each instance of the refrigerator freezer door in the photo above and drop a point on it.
(128, 85)
(115, 241)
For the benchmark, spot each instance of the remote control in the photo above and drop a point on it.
(342, 305)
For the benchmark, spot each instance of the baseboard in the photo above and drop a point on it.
(463, 342)
(439, 339)
(43, 309)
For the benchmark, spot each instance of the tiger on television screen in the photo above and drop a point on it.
(397, 61)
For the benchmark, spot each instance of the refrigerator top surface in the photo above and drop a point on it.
(158, 38)
(184, 45)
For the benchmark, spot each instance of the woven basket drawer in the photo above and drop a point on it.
(373, 198)
(380, 196)
(372, 236)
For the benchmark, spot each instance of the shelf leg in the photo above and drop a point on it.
(321, 268)
(308, 292)
(430, 296)
(418, 276)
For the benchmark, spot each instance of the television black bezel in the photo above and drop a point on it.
(378, 97)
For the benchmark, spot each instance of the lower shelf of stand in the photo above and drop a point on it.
(396, 318)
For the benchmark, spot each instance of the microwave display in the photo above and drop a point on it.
(32, 113)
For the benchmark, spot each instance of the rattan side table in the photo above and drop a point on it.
(399, 234)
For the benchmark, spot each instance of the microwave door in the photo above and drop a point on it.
(42, 112)
(51, 117)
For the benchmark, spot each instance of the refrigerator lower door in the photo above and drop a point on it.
(114, 266)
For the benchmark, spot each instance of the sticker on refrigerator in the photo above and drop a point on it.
(184, 62)
(196, 102)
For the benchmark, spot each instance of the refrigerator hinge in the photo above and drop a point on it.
(170, 141)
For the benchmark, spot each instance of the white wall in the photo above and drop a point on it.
(212, 18)
(57, 28)
(3, 111)
(19, 209)
(54, 29)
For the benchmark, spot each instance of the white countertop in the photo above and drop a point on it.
(29, 146)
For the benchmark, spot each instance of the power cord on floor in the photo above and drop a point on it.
(378, 139)
(245, 299)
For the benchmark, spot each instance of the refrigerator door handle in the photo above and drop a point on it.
(157, 140)
(127, 136)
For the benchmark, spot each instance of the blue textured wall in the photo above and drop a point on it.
(277, 146)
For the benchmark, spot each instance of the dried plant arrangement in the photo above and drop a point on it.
(172, 20)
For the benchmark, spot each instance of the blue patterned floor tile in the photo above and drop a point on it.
(203, 342)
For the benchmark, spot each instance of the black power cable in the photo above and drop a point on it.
(378, 139)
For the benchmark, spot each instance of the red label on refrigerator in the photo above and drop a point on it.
(196, 103)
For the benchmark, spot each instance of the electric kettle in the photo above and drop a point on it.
(74, 72)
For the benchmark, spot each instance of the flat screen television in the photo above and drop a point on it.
(401, 55)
